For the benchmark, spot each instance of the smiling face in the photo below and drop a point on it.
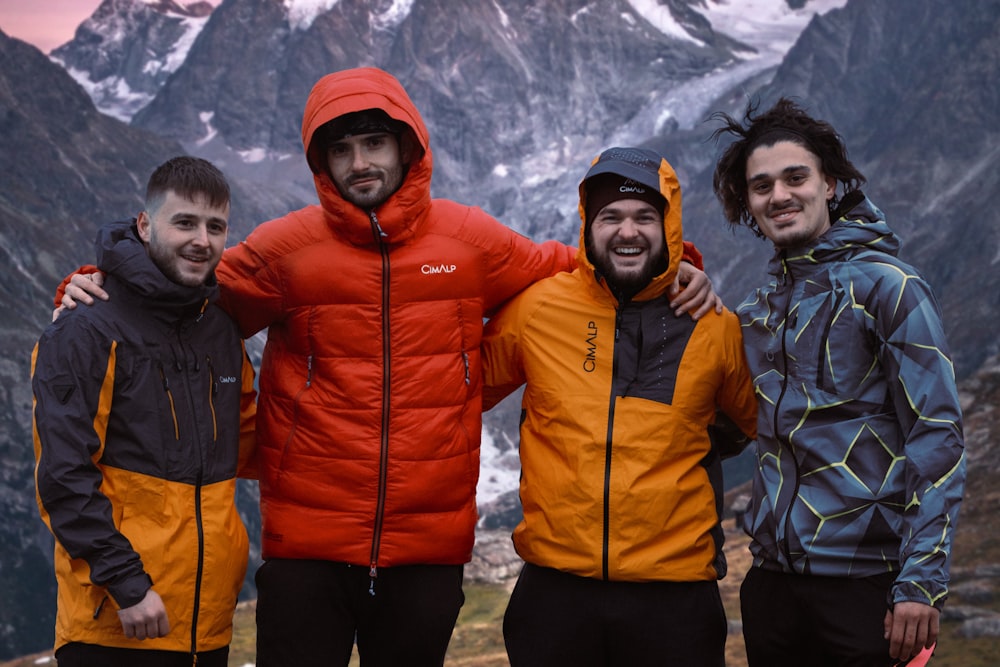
(787, 193)
(626, 244)
(185, 238)
(366, 168)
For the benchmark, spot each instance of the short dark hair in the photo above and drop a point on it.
(785, 121)
(189, 177)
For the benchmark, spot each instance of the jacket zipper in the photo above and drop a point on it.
(197, 498)
(608, 440)
(784, 442)
(386, 375)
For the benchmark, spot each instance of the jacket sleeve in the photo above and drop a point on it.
(914, 355)
(248, 419)
(736, 423)
(503, 368)
(692, 256)
(250, 283)
(73, 374)
(513, 261)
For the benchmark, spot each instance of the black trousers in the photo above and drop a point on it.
(555, 618)
(311, 613)
(792, 619)
(91, 655)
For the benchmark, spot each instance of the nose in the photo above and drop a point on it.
(628, 229)
(779, 192)
(200, 236)
(359, 159)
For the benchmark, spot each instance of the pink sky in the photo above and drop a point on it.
(48, 23)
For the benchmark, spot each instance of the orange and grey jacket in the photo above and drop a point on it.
(370, 384)
(615, 453)
(143, 412)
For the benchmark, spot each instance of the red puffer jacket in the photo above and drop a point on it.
(369, 415)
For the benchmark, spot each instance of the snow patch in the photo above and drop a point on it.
(392, 17)
(302, 13)
(661, 18)
(210, 132)
(770, 26)
(177, 55)
(112, 96)
(501, 470)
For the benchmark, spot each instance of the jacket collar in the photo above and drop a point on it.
(860, 227)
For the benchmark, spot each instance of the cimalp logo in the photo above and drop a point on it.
(632, 187)
(590, 348)
(227, 379)
(431, 269)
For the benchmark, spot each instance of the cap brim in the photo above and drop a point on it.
(626, 170)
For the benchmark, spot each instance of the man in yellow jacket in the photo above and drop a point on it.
(620, 479)
(143, 414)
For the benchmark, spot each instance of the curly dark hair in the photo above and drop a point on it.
(785, 121)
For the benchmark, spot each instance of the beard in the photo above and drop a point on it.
(372, 197)
(169, 263)
(625, 283)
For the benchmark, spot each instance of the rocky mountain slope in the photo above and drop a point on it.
(519, 95)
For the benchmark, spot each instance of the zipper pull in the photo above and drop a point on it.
(378, 227)
(97, 612)
(373, 575)
(465, 360)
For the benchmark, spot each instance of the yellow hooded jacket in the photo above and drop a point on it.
(615, 451)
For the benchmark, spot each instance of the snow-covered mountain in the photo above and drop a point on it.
(125, 51)
(519, 95)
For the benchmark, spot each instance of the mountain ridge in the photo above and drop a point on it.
(515, 118)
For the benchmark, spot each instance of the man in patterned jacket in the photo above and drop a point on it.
(860, 466)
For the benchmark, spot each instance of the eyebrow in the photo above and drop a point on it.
(182, 215)
(791, 169)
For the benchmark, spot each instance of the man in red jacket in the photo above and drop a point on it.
(370, 386)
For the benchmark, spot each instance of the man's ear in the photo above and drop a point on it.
(144, 225)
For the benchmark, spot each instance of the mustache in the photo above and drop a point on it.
(371, 173)
(783, 206)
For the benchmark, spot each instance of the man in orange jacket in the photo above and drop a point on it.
(370, 386)
(620, 480)
(143, 414)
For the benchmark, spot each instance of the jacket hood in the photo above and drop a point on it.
(122, 254)
(859, 227)
(649, 169)
(354, 90)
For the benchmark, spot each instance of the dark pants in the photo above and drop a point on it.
(311, 612)
(791, 619)
(555, 618)
(91, 655)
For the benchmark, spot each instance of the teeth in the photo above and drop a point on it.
(628, 251)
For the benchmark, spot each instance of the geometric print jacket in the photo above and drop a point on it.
(860, 455)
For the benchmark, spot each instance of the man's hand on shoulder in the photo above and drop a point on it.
(81, 288)
(911, 627)
(692, 292)
(145, 620)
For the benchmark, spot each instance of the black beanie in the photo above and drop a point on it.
(622, 173)
(369, 121)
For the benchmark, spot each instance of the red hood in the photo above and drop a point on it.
(356, 90)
